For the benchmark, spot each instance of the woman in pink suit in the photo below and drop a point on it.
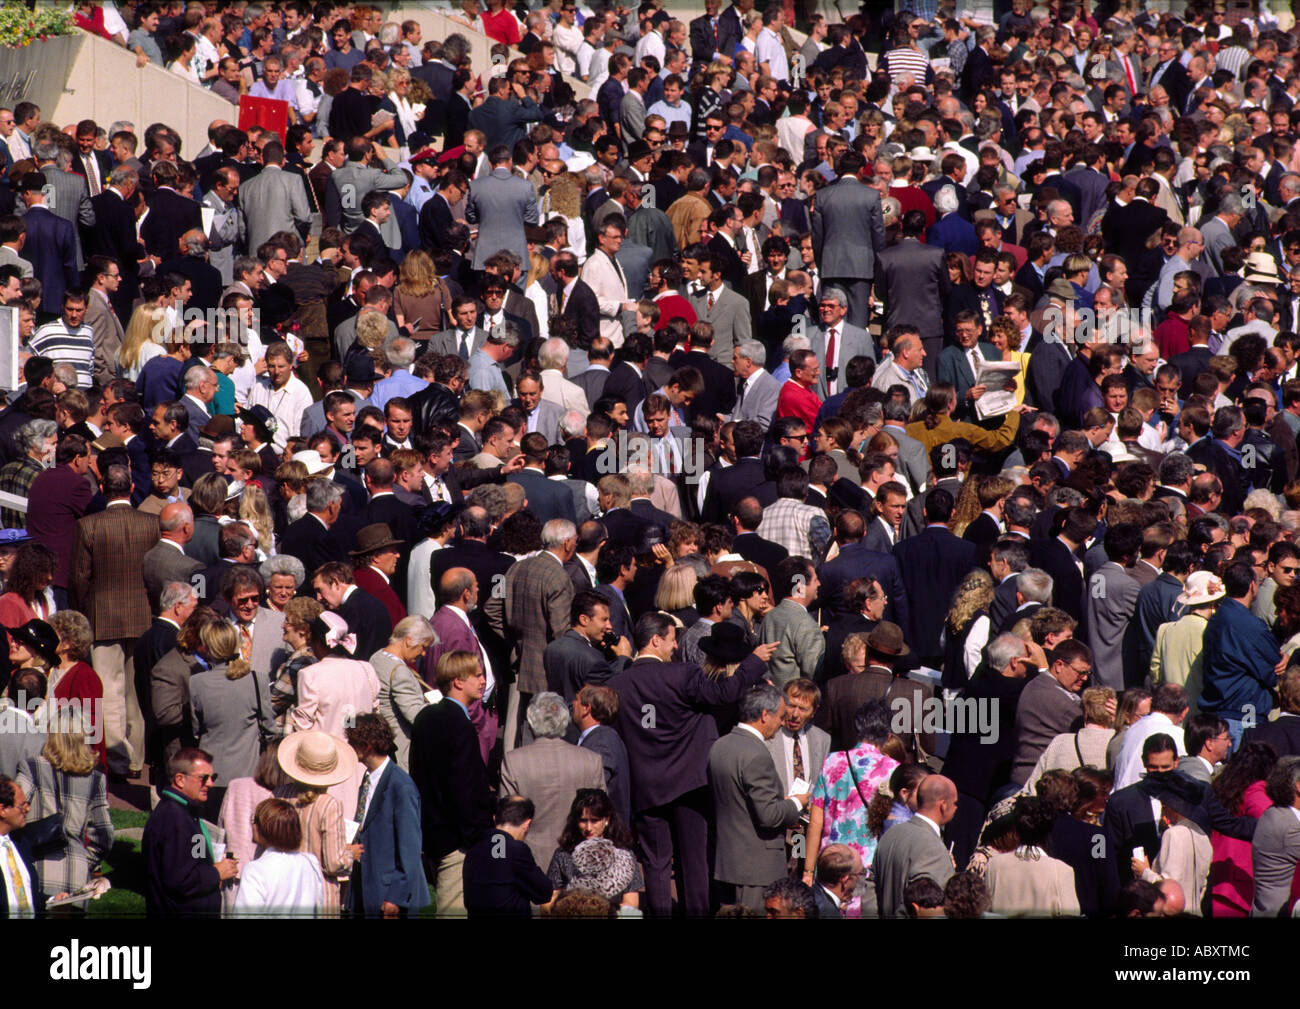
(333, 691)
(1240, 787)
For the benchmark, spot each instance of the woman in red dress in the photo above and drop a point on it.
(72, 678)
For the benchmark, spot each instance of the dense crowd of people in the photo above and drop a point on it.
(712, 466)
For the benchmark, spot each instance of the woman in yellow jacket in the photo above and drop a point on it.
(936, 425)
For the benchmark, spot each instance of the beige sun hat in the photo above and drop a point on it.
(1202, 588)
(316, 758)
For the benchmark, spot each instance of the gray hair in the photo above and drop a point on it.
(1231, 203)
(197, 375)
(31, 434)
(836, 294)
(507, 333)
(573, 423)
(283, 564)
(548, 715)
(945, 200)
(196, 245)
(554, 353)
(752, 350)
(1035, 585)
(183, 515)
(123, 174)
(321, 494)
(1176, 468)
(795, 342)
(413, 628)
(640, 480)
(761, 698)
(66, 372)
(1003, 650)
(46, 150)
(175, 593)
(401, 352)
(555, 533)
(121, 126)
(390, 33)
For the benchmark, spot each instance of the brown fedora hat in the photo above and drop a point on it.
(887, 639)
(373, 538)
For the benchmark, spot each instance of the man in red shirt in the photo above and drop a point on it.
(1171, 335)
(664, 282)
(797, 398)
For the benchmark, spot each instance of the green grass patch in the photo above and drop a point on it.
(124, 867)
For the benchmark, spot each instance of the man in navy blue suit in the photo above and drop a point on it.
(391, 882)
(933, 564)
(51, 245)
(856, 561)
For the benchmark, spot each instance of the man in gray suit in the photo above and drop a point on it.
(466, 336)
(750, 807)
(540, 415)
(104, 275)
(1207, 741)
(1108, 607)
(261, 629)
(758, 390)
(725, 310)
(848, 232)
(273, 199)
(66, 194)
(800, 643)
(850, 341)
(1276, 844)
(166, 561)
(229, 231)
(915, 847)
(349, 183)
(912, 283)
(550, 772)
(500, 204)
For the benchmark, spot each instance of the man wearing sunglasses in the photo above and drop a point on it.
(184, 875)
(1281, 569)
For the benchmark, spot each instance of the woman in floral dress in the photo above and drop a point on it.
(845, 788)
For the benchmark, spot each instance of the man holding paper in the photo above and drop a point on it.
(961, 364)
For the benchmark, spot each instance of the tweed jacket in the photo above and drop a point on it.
(534, 611)
(550, 772)
(800, 643)
(82, 799)
(164, 563)
(801, 528)
(107, 556)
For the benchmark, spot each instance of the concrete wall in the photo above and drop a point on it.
(104, 84)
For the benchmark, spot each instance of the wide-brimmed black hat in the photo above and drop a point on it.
(725, 643)
(39, 638)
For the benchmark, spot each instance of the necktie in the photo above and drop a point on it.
(245, 642)
(619, 270)
(975, 360)
(92, 174)
(831, 370)
(16, 874)
(798, 759)
(362, 794)
(1128, 72)
(463, 339)
(710, 301)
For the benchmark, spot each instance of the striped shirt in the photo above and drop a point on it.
(1232, 60)
(77, 347)
(906, 60)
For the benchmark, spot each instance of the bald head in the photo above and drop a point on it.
(176, 522)
(1188, 237)
(453, 586)
(937, 798)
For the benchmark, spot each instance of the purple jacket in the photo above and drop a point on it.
(455, 635)
(58, 497)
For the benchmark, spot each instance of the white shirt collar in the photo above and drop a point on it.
(933, 826)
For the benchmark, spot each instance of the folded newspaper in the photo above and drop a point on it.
(998, 379)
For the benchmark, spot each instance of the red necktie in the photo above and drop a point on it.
(1128, 71)
(710, 301)
(830, 348)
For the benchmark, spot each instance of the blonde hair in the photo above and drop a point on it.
(453, 666)
(68, 752)
(255, 512)
(145, 322)
(301, 611)
(676, 588)
(418, 275)
(221, 644)
(372, 328)
(538, 267)
(975, 593)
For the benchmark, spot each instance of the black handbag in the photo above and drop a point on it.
(45, 836)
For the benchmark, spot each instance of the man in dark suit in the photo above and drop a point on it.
(114, 235)
(575, 658)
(958, 363)
(547, 499)
(574, 298)
(933, 563)
(170, 214)
(1227, 431)
(839, 867)
(436, 217)
(1130, 226)
(912, 281)
(977, 71)
(671, 803)
(51, 244)
(719, 395)
(729, 485)
(594, 710)
(367, 617)
(747, 515)
(311, 538)
(856, 561)
(751, 809)
(1059, 558)
(448, 769)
